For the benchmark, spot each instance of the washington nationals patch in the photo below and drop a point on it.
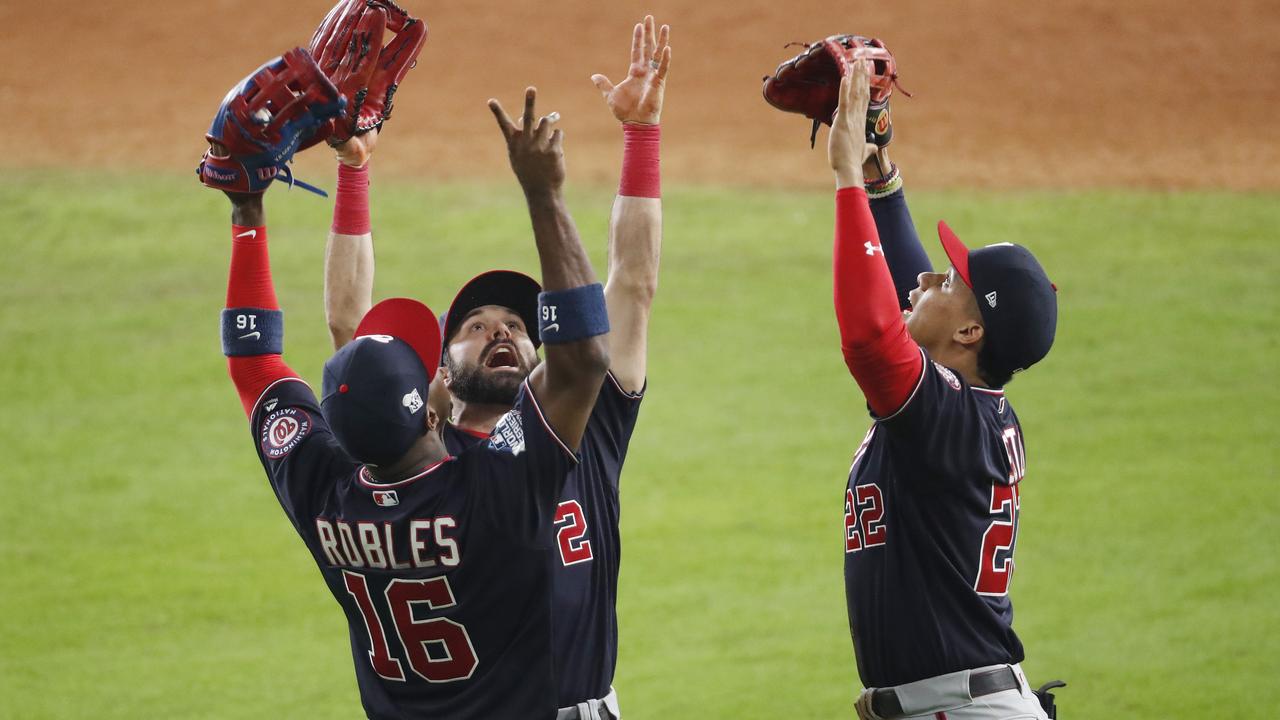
(283, 430)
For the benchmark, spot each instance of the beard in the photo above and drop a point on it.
(475, 384)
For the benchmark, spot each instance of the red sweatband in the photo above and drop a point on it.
(641, 174)
(351, 201)
(249, 282)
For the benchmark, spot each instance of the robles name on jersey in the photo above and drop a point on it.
(419, 543)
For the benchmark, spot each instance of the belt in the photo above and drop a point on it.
(884, 701)
(605, 708)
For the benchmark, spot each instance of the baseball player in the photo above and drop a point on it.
(441, 562)
(490, 349)
(931, 505)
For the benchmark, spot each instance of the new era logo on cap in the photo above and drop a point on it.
(991, 298)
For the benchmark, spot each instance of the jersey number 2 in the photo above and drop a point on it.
(995, 565)
(455, 658)
(572, 533)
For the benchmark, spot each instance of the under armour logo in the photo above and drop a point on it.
(991, 298)
(873, 249)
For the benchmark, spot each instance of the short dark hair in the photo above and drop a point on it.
(993, 378)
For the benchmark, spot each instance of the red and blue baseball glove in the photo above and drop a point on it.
(348, 48)
(285, 105)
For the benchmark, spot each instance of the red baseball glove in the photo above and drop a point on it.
(809, 83)
(348, 48)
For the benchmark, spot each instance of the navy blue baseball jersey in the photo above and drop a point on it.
(930, 522)
(588, 549)
(443, 576)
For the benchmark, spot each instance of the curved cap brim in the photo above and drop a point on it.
(956, 251)
(506, 288)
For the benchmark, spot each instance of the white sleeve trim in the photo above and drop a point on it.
(537, 407)
(625, 393)
(267, 389)
(924, 367)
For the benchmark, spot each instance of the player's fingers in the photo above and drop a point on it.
(557, 140)
(545, 125)
(602, 84)
(664, 36)
(530, 95)
(650, 38)
(664, 63)
(637, 45)
(504, 122)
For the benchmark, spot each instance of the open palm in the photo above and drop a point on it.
(638, 98)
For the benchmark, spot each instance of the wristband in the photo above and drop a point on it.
(641, 175)
(252, 331)
(566, 316)
(886, 185)
(351, 201)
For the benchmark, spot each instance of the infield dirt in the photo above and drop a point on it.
(1072, 93)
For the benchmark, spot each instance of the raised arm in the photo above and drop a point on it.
(252, 324)
(348, 253)
(877, 348)
(635, 227)
(576, 342)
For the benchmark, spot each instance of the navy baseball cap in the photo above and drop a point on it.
(1019, 305)
(375, 387)
(507, 288)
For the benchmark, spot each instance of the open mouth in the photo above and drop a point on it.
(503, 357)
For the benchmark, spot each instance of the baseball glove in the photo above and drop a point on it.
(348, 48)
(283, 105)
(809, 83)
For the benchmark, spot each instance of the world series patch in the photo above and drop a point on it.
(947, 375)
(508, 434)
(283, 430)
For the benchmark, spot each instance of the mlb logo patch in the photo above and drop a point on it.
(385, 498)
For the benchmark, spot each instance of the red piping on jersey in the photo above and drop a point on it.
(365, 476)
(249, 285)
(877, 348)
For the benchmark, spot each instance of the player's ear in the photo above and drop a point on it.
(969, 334)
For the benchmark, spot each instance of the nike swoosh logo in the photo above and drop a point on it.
(553, 327)
(250, 233)
(250, 336)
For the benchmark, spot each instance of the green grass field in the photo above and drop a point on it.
(152, 574)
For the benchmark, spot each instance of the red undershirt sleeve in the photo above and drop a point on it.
(880, 353)
(249, 285)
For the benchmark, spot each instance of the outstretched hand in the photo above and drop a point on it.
(536, 151)
(638, 98)
(847, 148)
